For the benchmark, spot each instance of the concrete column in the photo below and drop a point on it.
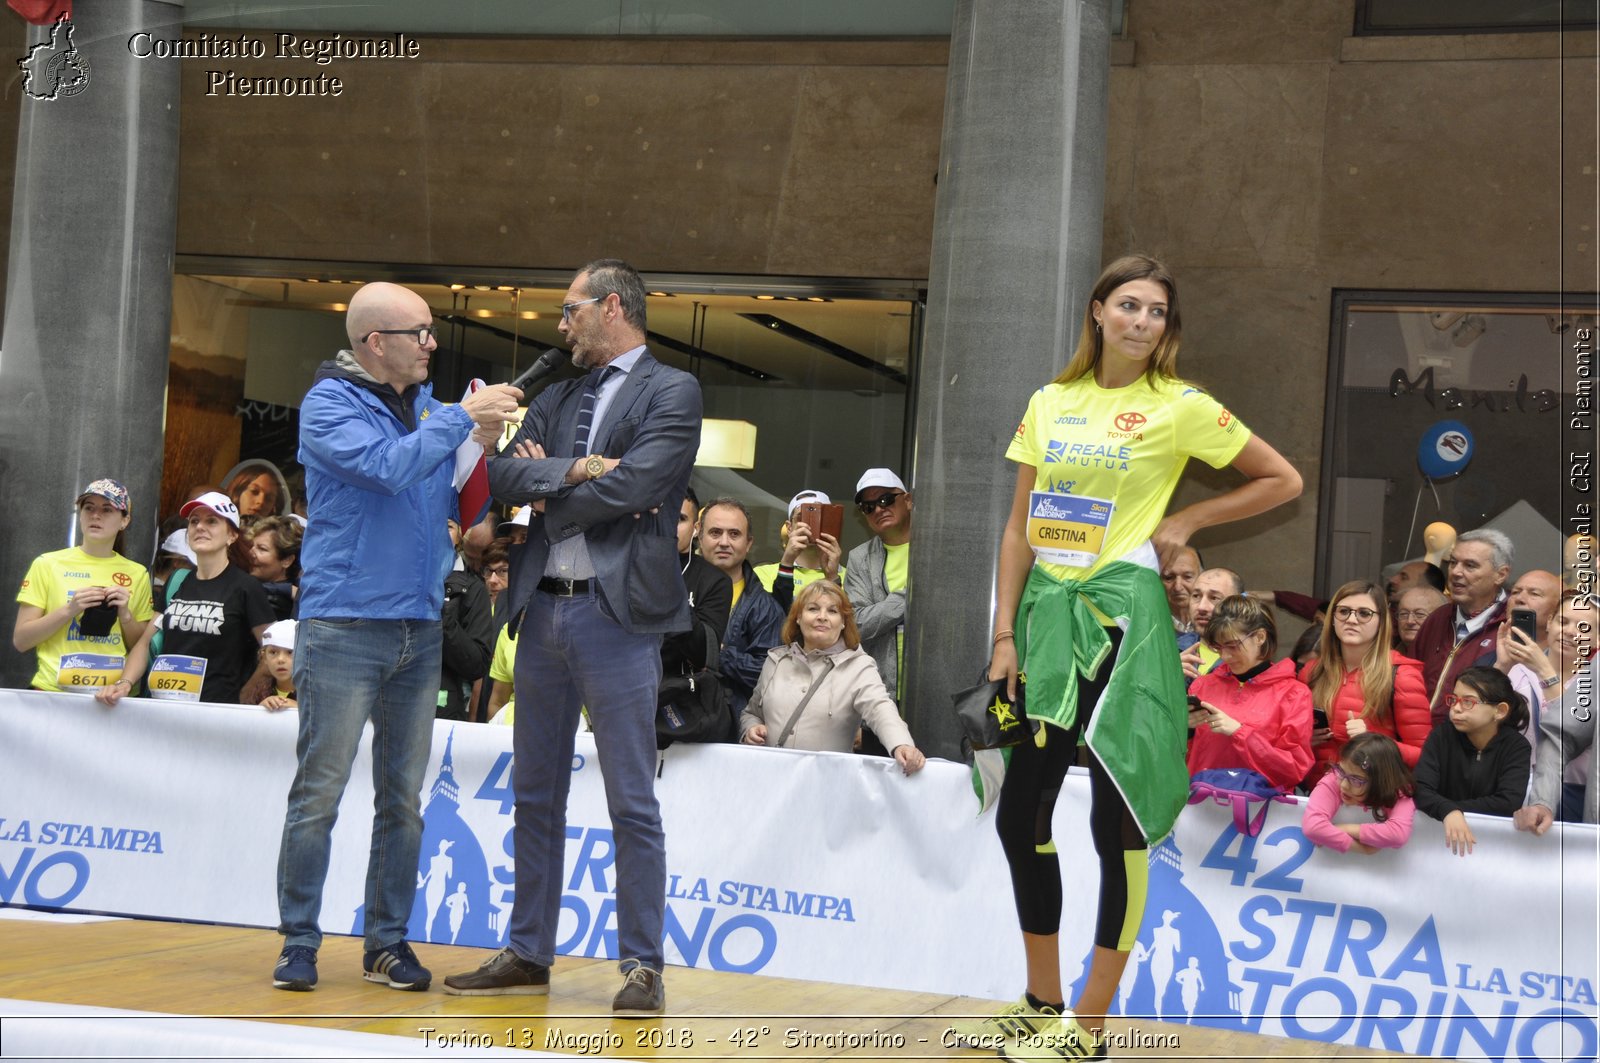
(83, 355)
(1016, 249)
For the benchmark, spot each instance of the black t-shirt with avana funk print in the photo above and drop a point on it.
(216, 619)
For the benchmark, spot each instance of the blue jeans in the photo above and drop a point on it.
(345, 672)
(570, 654)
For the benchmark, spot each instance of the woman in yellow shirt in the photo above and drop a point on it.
(82, 607)
(1080, 607)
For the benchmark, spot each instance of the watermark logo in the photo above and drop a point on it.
(55, 68)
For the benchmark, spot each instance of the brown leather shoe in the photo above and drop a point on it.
(641, 994)
(502, 974)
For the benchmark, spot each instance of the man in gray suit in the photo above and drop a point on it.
(875, 574)
(597, 585)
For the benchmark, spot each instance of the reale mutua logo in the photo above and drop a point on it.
(55, 68)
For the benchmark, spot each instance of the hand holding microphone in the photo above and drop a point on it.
(493, 404)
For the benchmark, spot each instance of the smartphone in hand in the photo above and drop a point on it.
(1526, 622)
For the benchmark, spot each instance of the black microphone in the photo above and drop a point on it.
(547, 363)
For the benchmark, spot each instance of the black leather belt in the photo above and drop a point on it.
(564, 588)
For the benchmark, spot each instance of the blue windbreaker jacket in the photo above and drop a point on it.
(376, 546)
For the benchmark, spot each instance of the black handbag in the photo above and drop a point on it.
(989, 719)
(692, 704)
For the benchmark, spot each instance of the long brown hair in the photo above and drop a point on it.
(1164, 359)
(816, 589)
(1377, 669)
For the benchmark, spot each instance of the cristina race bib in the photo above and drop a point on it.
(1067, 529)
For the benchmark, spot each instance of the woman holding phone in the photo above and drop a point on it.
(1079, 605)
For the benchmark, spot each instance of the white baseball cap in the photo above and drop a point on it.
(216, 502)
(178, 543)
(807, 496)
(519, 519)
(878, 478)
(280, 634)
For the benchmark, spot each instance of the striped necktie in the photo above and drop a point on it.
(586, 404)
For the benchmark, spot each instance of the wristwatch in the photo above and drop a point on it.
(1550, 681)
(594, 467)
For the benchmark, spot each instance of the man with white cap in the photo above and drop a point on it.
(877, 572)
(806, 557)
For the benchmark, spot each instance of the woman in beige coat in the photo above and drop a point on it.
(822, 656)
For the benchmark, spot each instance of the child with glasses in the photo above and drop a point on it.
(1475, 760)
(1370, 774)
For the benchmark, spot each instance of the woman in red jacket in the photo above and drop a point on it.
(1361, 684)
(1253, 713)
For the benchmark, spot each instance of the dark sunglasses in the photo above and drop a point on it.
(881, 502)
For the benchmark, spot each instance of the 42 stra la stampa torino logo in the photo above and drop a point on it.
(55, 68)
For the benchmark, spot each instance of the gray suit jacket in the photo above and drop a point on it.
(880, 612)
(653, 425)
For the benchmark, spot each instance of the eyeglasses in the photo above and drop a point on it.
(1234, 645)
(1345, 612)
(568, 308)
(1355, 782)
(867, 506)
(1466, 701)
(1413, 614)
(502, 571)
(421, 335)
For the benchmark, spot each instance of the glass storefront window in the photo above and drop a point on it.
(1465, 409)
(821, 370)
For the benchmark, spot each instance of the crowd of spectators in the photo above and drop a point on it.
(212, 619)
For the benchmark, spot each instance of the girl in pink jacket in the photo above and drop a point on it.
(1371, 774)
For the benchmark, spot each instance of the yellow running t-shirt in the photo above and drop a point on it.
(896, 570)
(51, 582)
(502, 667)
(1107, 461)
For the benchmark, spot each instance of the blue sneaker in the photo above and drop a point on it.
(296, 969)
(396, 966)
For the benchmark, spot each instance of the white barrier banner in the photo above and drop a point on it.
(835, 868)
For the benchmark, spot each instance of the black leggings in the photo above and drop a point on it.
(1027, 803)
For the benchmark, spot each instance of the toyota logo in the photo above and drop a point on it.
(122, 579)
(1130, 422)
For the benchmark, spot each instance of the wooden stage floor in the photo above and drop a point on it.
(223, 972)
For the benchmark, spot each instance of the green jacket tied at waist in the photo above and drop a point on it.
(1138, 728)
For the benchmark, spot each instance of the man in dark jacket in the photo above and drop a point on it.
(710, 599)
(756, 623)
(468, 630)
(1462, 633)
